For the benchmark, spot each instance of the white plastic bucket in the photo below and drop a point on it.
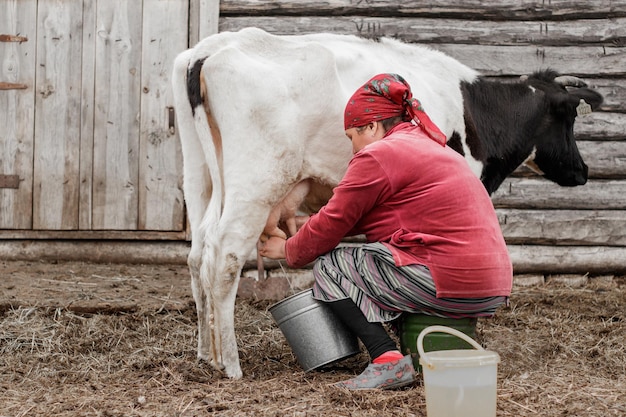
(459, 383)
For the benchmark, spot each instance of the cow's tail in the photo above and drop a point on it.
(202, 182)
(199, 132)
(207, 129)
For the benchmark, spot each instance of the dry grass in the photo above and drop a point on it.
(563, 354)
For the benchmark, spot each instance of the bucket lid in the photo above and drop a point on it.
(459, 358)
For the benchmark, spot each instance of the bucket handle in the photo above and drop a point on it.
(441, 329)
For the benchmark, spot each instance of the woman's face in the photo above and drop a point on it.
(364, 135)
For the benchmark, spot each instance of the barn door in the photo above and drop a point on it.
(90, 138)
(17, 60)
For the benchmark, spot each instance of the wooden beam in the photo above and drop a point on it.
(141, 252)
(478, 32)
(564, 227)
(568, 259)
(531, 193)
(526, 259)
(121, 235)
(483, 10)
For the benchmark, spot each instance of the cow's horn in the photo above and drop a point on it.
(570, 81)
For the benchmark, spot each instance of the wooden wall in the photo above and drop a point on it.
(548, 228)
(86, 151)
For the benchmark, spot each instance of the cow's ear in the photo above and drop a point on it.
(591, 97)
(566, 104)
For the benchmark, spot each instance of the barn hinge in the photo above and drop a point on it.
(13, 38)
(12, 86)
(171, 120)
(9, 181)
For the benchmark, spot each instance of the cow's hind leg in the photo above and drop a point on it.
(223, 319)
(203, 303)
(220, 272)
(227, 248)
(197, 188)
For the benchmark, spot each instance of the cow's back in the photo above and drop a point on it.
(433, 76)
(281, 98)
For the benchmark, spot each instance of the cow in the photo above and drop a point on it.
(260, 119)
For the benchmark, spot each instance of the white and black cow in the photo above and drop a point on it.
(529, 122)
(260, 119)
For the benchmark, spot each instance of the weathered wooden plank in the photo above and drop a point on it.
(532, 193)
(568, 259)
(209, 17)
(614, 92)
(526, 259)
(88, 92)
(103, 235)
(605, 160)
(17, 112)
(440, 30)
(160, 161)
(564, 227)
(193, 31)
(116, 123)
(584, 61)
(601, 126)
(57, 121)
(153, 252)
(204, 18)
(470, 9)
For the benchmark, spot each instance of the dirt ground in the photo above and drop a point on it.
(80, 339)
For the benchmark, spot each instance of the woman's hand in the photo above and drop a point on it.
(273, 248)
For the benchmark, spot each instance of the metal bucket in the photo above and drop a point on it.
(315, 334)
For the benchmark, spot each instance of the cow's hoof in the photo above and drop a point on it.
(234, 373)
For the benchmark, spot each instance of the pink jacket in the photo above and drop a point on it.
(422, 201)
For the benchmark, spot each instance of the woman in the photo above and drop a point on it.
(434, 244)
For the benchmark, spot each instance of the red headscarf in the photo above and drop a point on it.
(385, 96)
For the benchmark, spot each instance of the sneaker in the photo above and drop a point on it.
(394, 374)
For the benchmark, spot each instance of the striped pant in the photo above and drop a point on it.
(367, 274)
